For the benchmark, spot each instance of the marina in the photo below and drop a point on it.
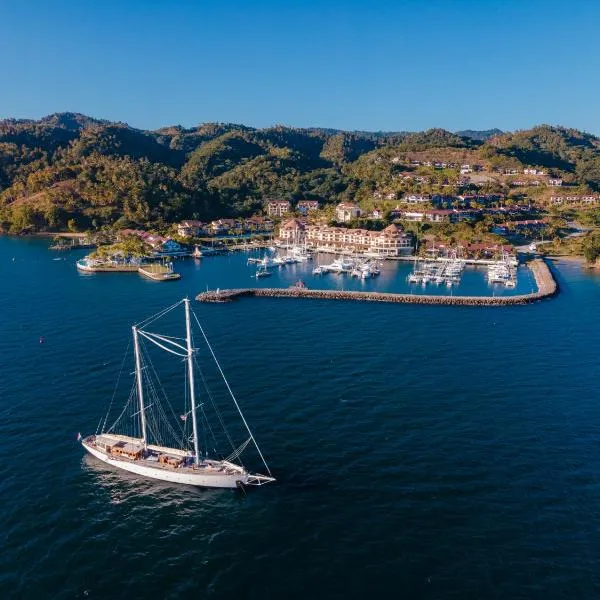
(546, 284)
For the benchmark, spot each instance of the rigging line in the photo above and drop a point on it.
(116, 384)
(144, 334)
(235, 454)
(153, 391)
(164, 395)
(131, 395)
(214, 405)
(231, 392)
(158, 315)
(177, 435)
(163, 338)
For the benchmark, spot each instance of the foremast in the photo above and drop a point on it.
(140, 385)
(190, 363)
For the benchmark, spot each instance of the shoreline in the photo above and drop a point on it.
(545, 281)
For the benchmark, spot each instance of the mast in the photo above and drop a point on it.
(190, 362)
(140, 386)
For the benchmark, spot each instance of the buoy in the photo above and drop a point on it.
(42, 339)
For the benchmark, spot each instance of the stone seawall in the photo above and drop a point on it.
(546, 285)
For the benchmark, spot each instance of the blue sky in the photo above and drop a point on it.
(405, 65)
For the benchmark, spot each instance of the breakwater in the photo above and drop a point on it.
(546, 287)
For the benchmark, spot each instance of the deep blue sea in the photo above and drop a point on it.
(421, 451)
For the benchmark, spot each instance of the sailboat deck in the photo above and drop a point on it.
(133, 447)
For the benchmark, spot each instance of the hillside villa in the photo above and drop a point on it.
(305, 206)
(278, 208)
(448, 215)
(582, 199)
(257, 224)
(346, 211)
(191, 228)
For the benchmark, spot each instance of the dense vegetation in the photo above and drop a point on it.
(71, 171)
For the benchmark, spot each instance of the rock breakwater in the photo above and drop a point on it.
(546, 287)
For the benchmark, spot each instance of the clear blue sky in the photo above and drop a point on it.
(377, 65)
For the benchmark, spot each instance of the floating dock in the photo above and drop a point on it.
(546, 284)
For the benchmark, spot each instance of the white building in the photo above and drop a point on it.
(305, 206)
(555, 182)
(416, 198)
(346, 211)
(574, 199)
(392, 241)
(191, 228)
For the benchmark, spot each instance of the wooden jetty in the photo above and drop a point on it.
(546, 284)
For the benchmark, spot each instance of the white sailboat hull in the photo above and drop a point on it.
(213, 480)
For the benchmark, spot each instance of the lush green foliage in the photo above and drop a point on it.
(69, 170)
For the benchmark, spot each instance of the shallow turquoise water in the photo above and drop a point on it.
(421, 451)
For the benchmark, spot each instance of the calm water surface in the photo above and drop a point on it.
(421, 451)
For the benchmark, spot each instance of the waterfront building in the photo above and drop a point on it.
(222, 226)
(532, 171)
(346, 211)
(305, 206)
(392, 241)
(191, 228)
(277, 208)
(292, 232)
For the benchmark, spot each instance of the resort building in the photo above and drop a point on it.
(574, 199)
(293, 232)
(222, 226)
(533, 172)
(158, 243)
(392, 241)
(191, 228)
(258, 224)
(277, 208)
(447, 215)
(416, 198)
(555, 182)
(305, 206)
(346, 211)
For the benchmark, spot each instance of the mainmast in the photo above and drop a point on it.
(190, 362)
(140, 386)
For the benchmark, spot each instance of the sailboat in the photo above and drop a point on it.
(145, 440)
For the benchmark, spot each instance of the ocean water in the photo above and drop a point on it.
(421, 451)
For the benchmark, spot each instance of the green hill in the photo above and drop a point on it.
(68, 168)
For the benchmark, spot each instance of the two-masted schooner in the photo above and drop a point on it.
(149, 438)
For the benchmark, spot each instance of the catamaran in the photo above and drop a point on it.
(148, 439)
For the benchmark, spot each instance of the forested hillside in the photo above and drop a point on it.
(70, 170)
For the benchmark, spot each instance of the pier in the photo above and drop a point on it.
(546, 288)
